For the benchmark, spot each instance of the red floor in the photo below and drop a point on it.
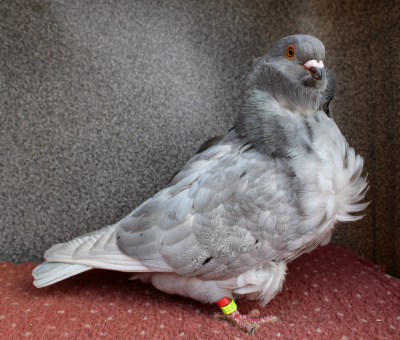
(330, 293)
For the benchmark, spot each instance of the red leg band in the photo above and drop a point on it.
(224, 302)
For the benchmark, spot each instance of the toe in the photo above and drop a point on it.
(218, 315)
(255, 313)
(267, 319)
(248, 327)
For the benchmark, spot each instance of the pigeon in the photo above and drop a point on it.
(247, 203)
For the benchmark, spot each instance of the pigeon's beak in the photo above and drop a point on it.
(314, 68)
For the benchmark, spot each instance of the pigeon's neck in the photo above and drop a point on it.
(275, 111)
(267, 83)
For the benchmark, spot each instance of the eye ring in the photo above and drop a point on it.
(290, 52)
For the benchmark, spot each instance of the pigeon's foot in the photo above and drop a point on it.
(247, 322)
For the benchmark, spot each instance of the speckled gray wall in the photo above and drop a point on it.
(384, 37)
(101, 102)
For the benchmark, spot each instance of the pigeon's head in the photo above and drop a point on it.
(287, 86)
(300, 58)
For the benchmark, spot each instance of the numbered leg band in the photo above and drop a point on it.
(227, 305)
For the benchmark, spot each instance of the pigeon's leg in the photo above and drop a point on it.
(246, 322)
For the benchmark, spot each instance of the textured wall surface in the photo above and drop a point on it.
(100, 104)
(384, 36)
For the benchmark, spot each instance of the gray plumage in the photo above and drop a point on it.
(247, 203)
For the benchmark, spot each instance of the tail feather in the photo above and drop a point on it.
(94, 250)
(89, 250)
(47, 273)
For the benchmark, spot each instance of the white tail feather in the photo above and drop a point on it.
(46, 273)
(89, 250)
(94, 250)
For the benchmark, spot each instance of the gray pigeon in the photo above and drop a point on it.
(246, 204)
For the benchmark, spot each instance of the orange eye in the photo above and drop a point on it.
(290, 52)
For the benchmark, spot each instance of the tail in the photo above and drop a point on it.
(48, 273)
(94, 250)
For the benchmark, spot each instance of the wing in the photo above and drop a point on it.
(155, 223)
(203, 147)
(228, 210)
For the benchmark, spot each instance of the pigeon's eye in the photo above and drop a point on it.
(290, 52)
